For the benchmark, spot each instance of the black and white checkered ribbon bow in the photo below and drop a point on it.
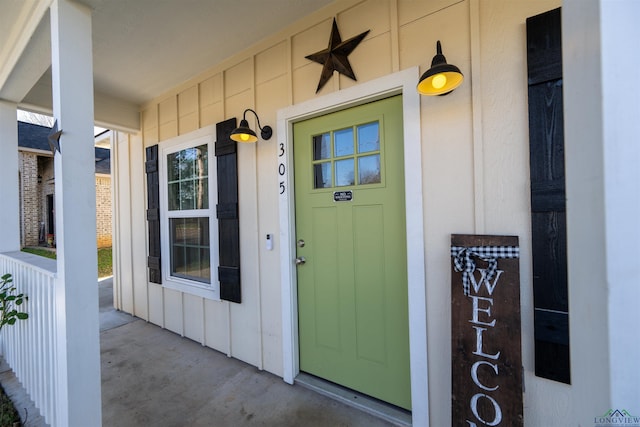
(463, 260)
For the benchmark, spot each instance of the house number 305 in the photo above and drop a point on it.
(281, 168)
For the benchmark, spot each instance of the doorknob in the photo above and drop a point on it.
(300, 260)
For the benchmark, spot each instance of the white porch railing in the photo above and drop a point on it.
(29, 346)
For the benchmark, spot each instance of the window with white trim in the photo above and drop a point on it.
(188, 217)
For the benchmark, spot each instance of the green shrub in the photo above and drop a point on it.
(9, 417)
(9, 302)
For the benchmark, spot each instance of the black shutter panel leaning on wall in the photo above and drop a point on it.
(227, 212)
(153, 214)
(548, 201)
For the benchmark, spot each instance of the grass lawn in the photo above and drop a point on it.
(105, 260)
(41, 252)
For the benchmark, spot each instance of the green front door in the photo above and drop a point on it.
(350, 230)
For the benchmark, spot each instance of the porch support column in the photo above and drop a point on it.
(75, 203)
(10, 208)
(602, 125)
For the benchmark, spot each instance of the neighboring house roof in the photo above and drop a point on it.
(103, 160)
(34, 137)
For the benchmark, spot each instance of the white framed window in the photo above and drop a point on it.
(188, 224)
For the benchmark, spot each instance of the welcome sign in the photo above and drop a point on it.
(485, 331)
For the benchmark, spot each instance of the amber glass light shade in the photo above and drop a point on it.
(244, 133)
(441, 78)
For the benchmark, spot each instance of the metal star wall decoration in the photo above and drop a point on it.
(54, 138)
(335, 57)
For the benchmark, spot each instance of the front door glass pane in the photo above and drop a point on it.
(322, 175)
(339, 159)
(368, 137)
(344, 173)
(322, 146)
(369, 169)
(343, 140)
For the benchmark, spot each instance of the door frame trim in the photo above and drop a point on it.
(400, 83)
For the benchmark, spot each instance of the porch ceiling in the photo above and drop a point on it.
(141, 48)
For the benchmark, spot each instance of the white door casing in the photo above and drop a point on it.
(403, 82)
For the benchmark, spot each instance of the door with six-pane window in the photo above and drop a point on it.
(351, 249)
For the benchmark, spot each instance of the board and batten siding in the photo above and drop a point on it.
(475, 170)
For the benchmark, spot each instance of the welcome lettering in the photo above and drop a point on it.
(481, 316)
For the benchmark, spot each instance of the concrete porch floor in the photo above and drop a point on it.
(153, 377)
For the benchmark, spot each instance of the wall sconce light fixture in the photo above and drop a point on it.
(243, 133)
(441, 78)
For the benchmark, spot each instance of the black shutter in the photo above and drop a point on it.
(548, 201)
(227, 212)
(153, 214)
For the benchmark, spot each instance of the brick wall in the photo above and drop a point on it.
(30, 206)
(103, 210)
(33, 200)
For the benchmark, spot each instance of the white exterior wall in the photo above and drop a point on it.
(129, 225)
(9, 218)
(506, 181)
(475, 172)
(603, 235)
